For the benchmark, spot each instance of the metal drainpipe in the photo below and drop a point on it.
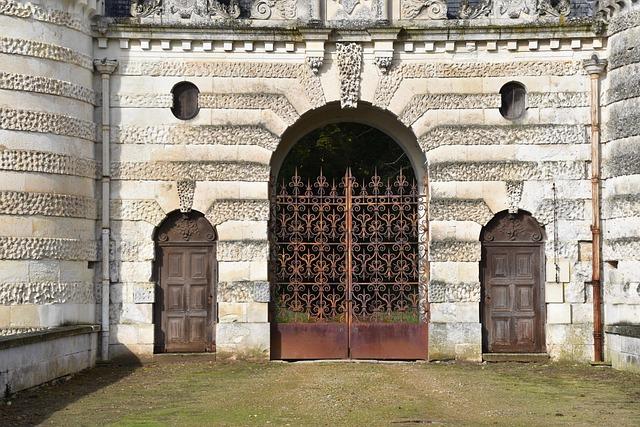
(595, 67)
(105, 67)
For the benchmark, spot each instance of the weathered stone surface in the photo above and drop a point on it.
(563, 209)
(454, 292)
(39, 13)
(47, 248)
(454, 250)
(38, 121)
(446, 340)
(349, 58)
(277, 103)
(49, 86)
(197, 171)
(622, 205)
(243, 250)
(623, 84)
(243, 338)
(391, 81)
(624, 159)
(46, 293)
(45, 51)
(502, 135)
(144, 293)
(506, 171)
(25, 203)
(39, 161)
(621, 249)
(212, 134)
(460, 210)
(243, 291)
(419, 104)
(239, 210)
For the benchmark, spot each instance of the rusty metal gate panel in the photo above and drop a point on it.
(345, 273)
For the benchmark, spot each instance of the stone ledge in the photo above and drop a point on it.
(516, 357)
(624, 330)
(46, 335)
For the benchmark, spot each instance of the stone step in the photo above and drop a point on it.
(515, 357)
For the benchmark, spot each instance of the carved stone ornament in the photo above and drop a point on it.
(186, 9)
(315, 63)
(348, 5)
(562, 8)
(185, 227)
(515, 9)
(383, 63)
(349, 70)
(483, 9)
(186, 190)
(514, 195)
(261, 9)
(508, 227)
(145, 8)
(431, 9)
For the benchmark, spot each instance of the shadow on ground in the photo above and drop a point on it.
(35, 405)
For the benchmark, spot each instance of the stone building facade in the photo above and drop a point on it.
(94, 161)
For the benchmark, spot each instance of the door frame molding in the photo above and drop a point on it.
(162, 239)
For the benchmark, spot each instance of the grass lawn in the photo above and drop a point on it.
(199, 391)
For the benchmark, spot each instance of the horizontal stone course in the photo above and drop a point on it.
(46, 162)
(38, 121)
(46, 293)
(45, 51)
(137, 210)
(507, 170)
(454, 292)
(242, 250)
(47, 248)
(238, 210)
(48, 204)
(476, 210)
(46, 85)
(197, 171)
(243, 291)
(39, 13)
(502, 135)
(454, 250)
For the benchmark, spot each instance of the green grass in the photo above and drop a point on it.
(198, 391)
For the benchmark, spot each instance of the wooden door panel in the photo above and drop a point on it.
(512, 307)
(198, 295)
(175, 265)
(175, 297)
(176, 329)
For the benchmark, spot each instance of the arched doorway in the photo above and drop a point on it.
(186, 271)
(347, 247)
(512, 277)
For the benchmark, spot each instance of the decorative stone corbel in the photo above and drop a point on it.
(315, 63)
(186, 190)
(383, 63)
(514, 195)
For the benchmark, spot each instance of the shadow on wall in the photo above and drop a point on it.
(53, 397)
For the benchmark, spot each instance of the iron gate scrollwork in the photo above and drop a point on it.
(346, 268)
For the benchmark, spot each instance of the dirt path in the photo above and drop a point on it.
(199, 391)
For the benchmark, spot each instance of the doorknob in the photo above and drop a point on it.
(210, 299)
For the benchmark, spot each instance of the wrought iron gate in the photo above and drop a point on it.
(346, 265)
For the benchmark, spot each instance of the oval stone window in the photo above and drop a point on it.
(185, 100)
(514, 100)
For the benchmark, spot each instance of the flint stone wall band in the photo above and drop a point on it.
(42, 50)
(16, 248)
(47, 204)
(460, 210)
(50, 16)
(46, 85)
(37, 121)
(389, 83)
(243, 291)
(502, 135)
(242, 250)
(205, 134)
(137, 210)
(195, 171)
(39, 161)
(507, 171)
(46, 293)
(270, 70)
(454, 292)
(238, 210)
(454, 250)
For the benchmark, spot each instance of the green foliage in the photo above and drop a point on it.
(336, 147)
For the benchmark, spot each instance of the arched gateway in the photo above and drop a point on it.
(348, 236)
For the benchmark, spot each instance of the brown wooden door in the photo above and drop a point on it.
(512, 298)
(187, 298)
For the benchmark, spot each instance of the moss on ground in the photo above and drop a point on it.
(200, 391)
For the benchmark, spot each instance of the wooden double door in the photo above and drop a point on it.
(185, 295)
(512, 291)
